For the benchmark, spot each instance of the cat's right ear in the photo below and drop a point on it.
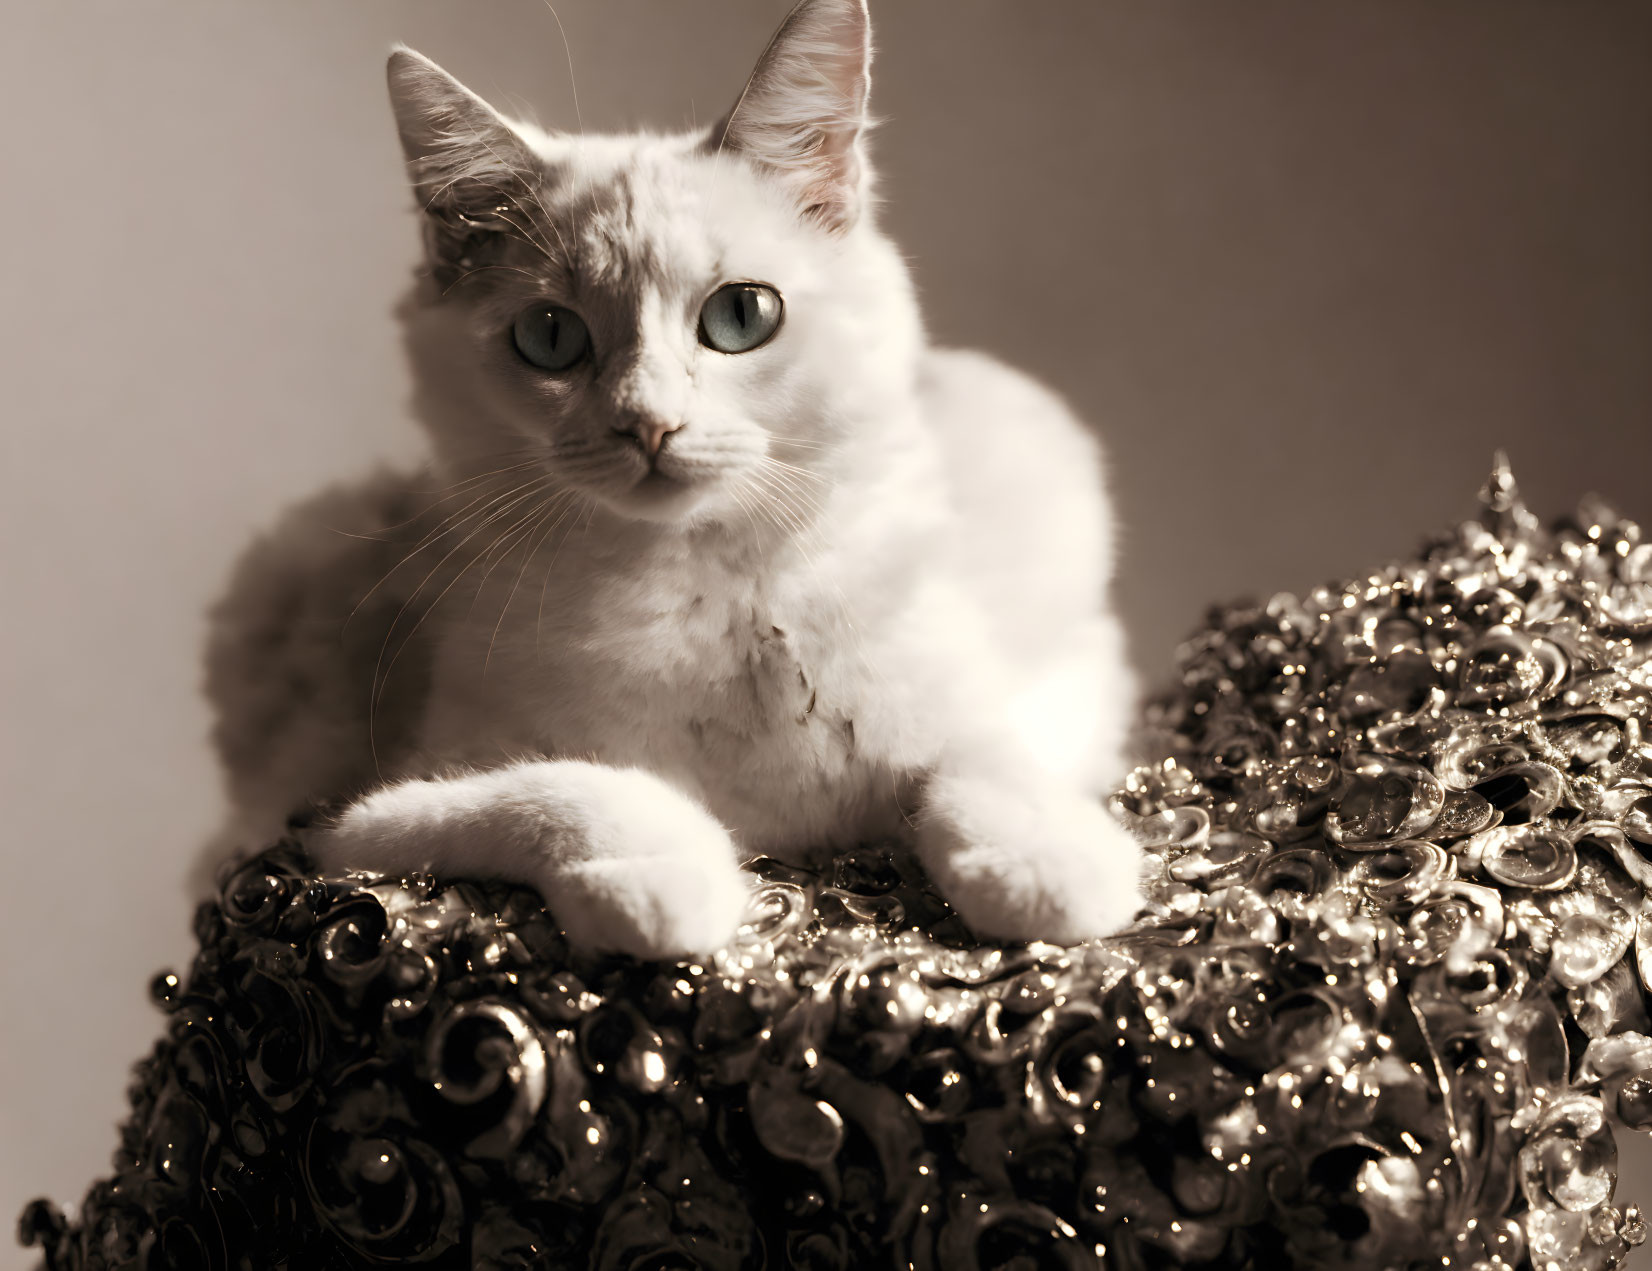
(469, 168)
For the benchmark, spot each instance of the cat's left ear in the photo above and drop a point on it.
(804, 109)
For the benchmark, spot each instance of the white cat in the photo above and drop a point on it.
(734, 561)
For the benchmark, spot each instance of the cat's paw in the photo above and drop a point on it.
(1050, 865)
(625, 862)
(664, 887)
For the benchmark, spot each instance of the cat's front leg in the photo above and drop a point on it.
(624, 861)
(1022, 855)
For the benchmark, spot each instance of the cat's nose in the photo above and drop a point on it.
(650, 434)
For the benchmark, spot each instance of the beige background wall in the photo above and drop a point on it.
(1305, 264)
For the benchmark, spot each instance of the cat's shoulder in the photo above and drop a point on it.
(964, 389)
(946, 369)
(987, 413)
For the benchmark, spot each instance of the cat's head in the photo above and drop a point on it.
(677, 327)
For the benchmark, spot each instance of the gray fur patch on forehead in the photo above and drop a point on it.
(629, 209)
(610, 244)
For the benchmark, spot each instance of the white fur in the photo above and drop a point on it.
(866, 587)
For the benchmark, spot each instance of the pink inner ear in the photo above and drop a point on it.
(832, 200)
(803, 109)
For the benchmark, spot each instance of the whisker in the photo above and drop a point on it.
(534, 451)
(804, 503)
(525, 184)
(465, 461)
(546, 520)
(499, 551)
(545, 508)
(381, 673)
(780, 491)
(738, 495)
(444, 494)
(453, 523)
(543, 250)
(568, 51)
(809, 499)
(566, 514)
(482, 269)
(590, 517)
(531, 187)
(793, 468)
(540, 480)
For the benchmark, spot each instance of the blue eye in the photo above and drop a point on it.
(739, 317)
(551, 337)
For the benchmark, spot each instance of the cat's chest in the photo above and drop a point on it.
(705, 674)
(719, 675)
